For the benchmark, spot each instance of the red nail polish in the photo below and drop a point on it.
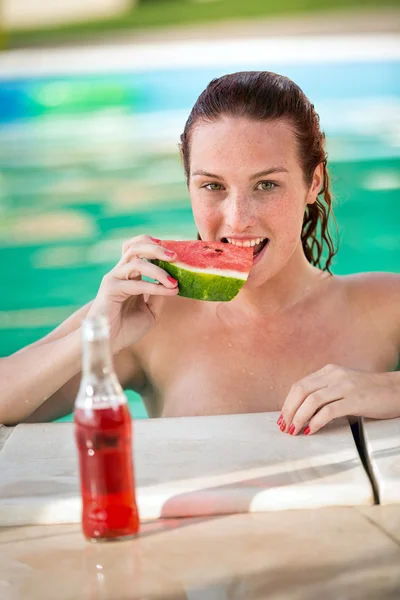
(169, 253)
(283, 426)
(172, 280)
(291, 429)
(156, 240)
(279, 421)
(307, 430)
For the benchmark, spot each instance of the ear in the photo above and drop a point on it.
(316, 184)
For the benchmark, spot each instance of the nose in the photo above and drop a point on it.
(239, 212)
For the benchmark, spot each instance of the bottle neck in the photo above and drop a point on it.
(97, 358)
(99, 383)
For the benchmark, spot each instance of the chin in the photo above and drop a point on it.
(263, 272)
(257, 279)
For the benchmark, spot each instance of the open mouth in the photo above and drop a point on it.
(257, 248)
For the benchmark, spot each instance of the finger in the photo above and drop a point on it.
(138, 267)
(312, 404)
(138, 239)
(334, 410)
(149, 251)
(136, 288)
(300, 390)
(297, 394)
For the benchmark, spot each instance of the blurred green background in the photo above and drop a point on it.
(89, 159)
(138, 15)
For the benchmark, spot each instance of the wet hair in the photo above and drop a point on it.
(266, 96)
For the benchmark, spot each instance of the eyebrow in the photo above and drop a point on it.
(265, 173)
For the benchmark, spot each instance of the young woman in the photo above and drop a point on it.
(297, 339)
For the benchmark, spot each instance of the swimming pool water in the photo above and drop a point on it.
(89, 161)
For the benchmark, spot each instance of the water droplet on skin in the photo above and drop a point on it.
(230, 345)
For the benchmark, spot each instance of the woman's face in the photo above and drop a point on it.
(246, 183)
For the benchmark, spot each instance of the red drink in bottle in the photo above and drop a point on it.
(103, 432)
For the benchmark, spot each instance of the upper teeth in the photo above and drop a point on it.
(246, 243)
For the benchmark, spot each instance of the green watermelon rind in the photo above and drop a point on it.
(202, 286)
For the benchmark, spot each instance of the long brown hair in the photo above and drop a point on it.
(266, 96)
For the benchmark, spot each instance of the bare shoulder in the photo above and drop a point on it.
(374, 287)
(377, 294)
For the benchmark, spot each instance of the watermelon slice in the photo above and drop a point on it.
(211, 271)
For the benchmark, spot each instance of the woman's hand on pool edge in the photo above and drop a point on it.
(335, 391)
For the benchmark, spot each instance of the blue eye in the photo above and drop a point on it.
(267, 186)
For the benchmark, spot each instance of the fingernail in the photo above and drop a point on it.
(170, 253)
(279, 421)
(283, 426)
(307, 430)
(156, 240)
(291, 429)
(172, 280)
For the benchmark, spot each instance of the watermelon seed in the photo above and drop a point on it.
(218, 250)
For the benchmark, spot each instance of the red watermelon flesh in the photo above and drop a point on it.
(213, 271)
(215, 255)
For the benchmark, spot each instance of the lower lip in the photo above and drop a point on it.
(260, 254)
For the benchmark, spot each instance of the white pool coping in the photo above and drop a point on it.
(188, 466)
(115, 58)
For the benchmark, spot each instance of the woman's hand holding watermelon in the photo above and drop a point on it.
(131, 304)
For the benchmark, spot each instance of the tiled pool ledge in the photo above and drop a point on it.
(327, 553)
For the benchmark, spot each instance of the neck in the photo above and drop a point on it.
(294, 282)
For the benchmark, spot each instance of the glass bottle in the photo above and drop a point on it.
(103, 434)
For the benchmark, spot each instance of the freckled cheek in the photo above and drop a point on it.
(207, 218)
(285, 222)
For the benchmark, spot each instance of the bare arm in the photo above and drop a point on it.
(40, 382)
(38, 372)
